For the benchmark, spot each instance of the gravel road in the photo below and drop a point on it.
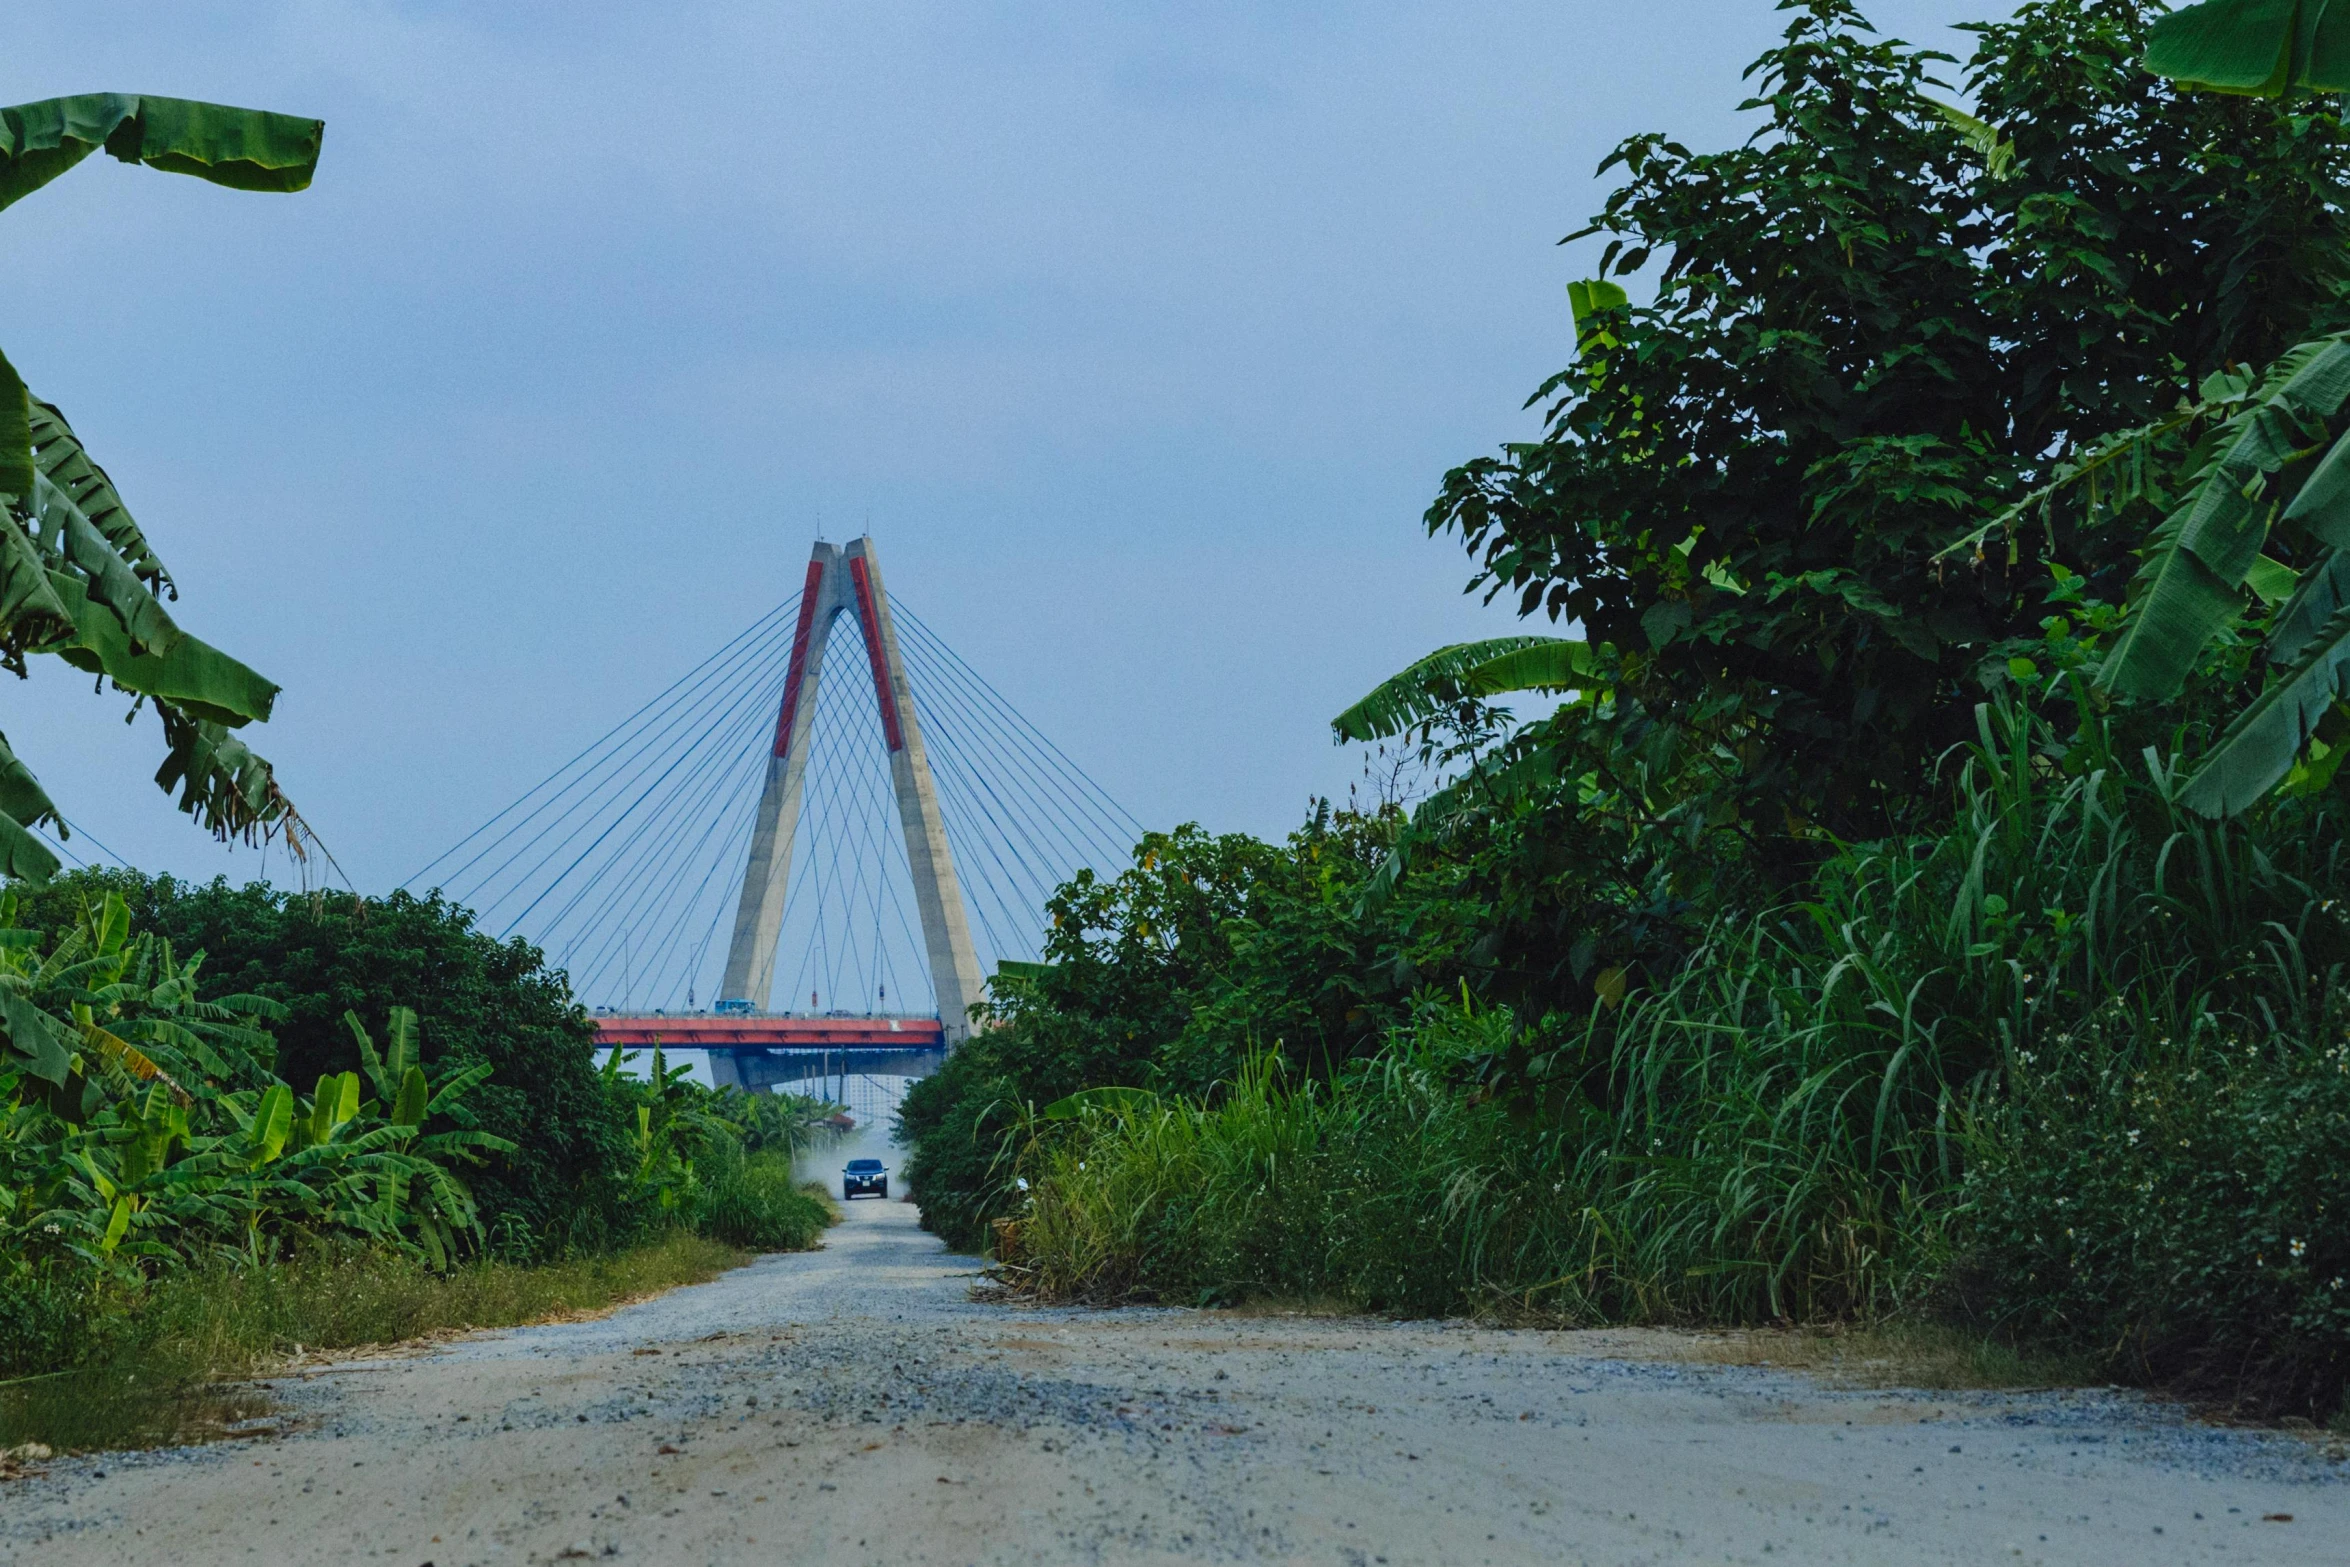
(855, 1405)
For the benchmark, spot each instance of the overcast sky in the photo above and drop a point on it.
(1138, 334)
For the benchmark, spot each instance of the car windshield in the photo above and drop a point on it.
(864, 1164)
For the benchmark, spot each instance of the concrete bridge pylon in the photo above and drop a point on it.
(849, 582)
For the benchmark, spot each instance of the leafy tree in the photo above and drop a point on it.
(1874, 323)
(78, 578)
(1207, 949)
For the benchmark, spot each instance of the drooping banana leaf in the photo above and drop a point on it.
(2191, 582)
(191, 673)
(21, 795)
(1429, 686)
(24, 805)
(59, 454)
(41, 1041)
(2254, 48)
(16, 434)
(2258, 749)
(1564, 664)
(2323, 592)
(24, 857)
(106, 577)
(226, 787)
(31, 613)
(1998, 156)
(246, 149)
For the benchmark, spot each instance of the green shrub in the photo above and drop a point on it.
(480, 1001)
(2185, 1218)
(954, 1122)
(754, 1201)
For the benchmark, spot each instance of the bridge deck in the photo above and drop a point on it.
(703, 1031)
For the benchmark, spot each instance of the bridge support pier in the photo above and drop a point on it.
(850, 581)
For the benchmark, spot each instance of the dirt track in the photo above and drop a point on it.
(853, 1405)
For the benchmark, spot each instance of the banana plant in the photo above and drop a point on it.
(2260, 473)
(1467, 673)
(131, 1162)
(1449, 689)
(78, 577)
(2254, 48)
(674, 1127)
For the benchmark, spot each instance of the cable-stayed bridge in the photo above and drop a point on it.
(805, 855)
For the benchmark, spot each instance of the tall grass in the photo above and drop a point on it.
(1782, 1129)
(155, 1366)
(753, 1200)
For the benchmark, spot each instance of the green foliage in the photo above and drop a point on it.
(2258, 48)
(1386, 1190)
(2175, 1207)
(753, 1201)
(1809, 1120)
(78, 579)
(1169, 975)
(479, 1002)
(1860, 941)
(956, 1122)
(1862, 340)
(165, 1139)
(1464, 674)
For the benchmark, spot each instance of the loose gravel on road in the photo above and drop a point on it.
(855, 1405)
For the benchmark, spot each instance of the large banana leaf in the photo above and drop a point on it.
(191, 673)
(60, 455)
(2257, 48)
(2258, 749)
(1462, 671)
(16, 433)
(39, 1040)
(21, 795)
(248, 149)
(2191, 582)
(2321, 594)
(31, 613)
(415, 1094)
(24, 857)
(23, 805)
(107, 577)
(1553, 664)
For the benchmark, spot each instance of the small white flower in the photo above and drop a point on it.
(2299, 1250)
(2133, 1137)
